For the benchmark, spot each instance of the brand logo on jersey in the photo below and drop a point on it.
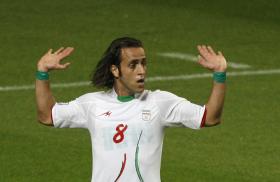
(146, 115)
(108, 113)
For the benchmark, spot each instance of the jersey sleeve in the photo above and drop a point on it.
(69, 115)
(177, 111)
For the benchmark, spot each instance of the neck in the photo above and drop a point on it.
(122, 91)
(123, 94)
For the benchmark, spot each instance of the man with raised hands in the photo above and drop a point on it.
(126, 122)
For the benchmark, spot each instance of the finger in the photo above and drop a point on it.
(200, 58)
(49, 51)
(200, 49)
(220, 53)
(59, 50)
(210, 50)
(204, 48)
(63, 66)
(202, 61)
(69, 50)
(66, 52)
(203, 51)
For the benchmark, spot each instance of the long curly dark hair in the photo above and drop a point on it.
(102, 76)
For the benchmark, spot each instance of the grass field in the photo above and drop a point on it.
(245, 148)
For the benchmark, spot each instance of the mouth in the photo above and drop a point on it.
(141, 82)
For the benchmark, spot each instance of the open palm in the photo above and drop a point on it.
(208, 58)
(52, 61)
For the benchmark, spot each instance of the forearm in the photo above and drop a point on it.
(45, 101)
(215, 104)
(216, 62)
(44, 98)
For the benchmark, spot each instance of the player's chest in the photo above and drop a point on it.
(118, 127)
(135, 112)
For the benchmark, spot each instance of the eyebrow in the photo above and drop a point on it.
(137, 60)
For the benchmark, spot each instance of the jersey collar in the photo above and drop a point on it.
(124, 98)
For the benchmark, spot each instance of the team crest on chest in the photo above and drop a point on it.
(146, 115)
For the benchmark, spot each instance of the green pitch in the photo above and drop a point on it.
(244, 148)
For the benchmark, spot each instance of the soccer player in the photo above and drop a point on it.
(126, 122)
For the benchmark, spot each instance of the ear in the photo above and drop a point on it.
(115, 71)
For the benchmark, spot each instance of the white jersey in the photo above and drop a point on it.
(127, 137)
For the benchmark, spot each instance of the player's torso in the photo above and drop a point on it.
(127, 141)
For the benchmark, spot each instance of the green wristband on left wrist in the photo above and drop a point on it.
(41, 75)
(219, 77)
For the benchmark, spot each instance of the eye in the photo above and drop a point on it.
(132, 65)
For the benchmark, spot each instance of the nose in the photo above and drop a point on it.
(141, 69)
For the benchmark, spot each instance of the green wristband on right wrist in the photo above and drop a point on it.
(219, 77)
(41, 75)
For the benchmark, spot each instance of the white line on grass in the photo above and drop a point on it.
(53, 85)
(207, 75)
(193, 58)
(151, 79)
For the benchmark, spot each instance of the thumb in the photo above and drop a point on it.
(49, 51)
(63, 66)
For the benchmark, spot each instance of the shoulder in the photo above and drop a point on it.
(163, 95)
(92, 97)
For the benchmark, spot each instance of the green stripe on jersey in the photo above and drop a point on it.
(137, 160)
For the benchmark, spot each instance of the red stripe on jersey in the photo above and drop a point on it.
(52, 115)
(202, 124)
(122, 169)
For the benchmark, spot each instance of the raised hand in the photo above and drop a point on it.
(209, 59)
(52, 61)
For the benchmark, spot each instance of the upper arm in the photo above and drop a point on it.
(69, 115)
(177, 111)
(45, 119)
